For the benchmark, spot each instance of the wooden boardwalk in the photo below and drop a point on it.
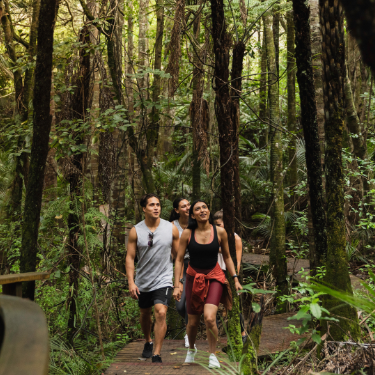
(274, 338)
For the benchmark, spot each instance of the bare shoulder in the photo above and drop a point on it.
(221, 231)
(237, 238)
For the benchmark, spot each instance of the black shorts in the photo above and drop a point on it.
(149, 299)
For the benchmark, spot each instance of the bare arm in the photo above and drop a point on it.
(238, 252)
(175, 241)
(226, 255)
(129, 262)
(179, 264)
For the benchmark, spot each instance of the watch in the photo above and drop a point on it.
(235, 276)
(181, 281)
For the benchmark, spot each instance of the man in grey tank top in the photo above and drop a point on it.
(155, 242)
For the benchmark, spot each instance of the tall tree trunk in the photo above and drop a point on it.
(153, 132)
(311, 132)
(316, 51)
(223, 105)
(39, 148)
(198, 110)
(277, 243)
(80, 104)
(263, 90)
(360, 17)
(291, 79)
(334, 72)
(174, 47)
(236, 78)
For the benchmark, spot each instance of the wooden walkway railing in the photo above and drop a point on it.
(24, 346)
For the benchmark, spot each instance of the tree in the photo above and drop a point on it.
(39, 149)
(277, 254)
(310, 130)
(223, 105)
(334, 73)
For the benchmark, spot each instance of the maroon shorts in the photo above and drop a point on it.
(215, 291)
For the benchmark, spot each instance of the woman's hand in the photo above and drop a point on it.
(177, 294)
(237, 284)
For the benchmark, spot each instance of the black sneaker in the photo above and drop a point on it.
(156, 359)
(147, 350)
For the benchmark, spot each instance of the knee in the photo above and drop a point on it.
(210, 321)
(161, 314)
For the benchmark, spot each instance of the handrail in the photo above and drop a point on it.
(24, 346)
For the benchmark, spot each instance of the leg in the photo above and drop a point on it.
(160, 311)
(210, 312)
(192, 329)
(146, 323)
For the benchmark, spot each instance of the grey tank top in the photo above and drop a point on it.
(155, 265)
(180, 230)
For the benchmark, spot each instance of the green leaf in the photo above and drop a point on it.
(256, 307)
(316, 310)
(316, 338)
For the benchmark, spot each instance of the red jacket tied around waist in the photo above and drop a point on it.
(201, 285)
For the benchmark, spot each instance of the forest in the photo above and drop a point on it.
(264, 109)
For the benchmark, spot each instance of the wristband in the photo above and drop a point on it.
(234, 276)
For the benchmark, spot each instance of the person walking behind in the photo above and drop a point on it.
(155, 241)
(205, 280)
(219, 221)
(180, 218)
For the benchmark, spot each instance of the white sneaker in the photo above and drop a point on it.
(213, 362)
(186, 341)
(190, 355)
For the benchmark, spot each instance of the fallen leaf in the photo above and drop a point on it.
(173, 353)
(221, 361)
(218, 352)
(58, 217)
(176, 367)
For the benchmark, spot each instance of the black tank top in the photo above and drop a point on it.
(203, 256)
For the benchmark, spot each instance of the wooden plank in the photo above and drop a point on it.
(20, 277)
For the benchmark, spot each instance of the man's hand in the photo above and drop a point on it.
(134, 291)
(177, 294)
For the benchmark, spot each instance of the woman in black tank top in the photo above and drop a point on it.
(203, 241)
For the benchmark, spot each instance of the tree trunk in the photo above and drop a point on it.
(236, 78)
(277, 243)
(173, 67)
(263, 91)
(223, 105)
(39, 148)
(80, 104)
(311, 133)
(198, 111)
(291, 79)
(334, 72)
(360, 17)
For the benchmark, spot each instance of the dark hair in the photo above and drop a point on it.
(174, 215)
(144, 199)
(218, 215)
(192, 222)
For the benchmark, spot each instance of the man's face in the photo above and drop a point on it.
(219, 223)
(152, 209)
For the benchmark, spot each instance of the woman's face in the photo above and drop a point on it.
(183, 208)
(219, 223)
(201, 213)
